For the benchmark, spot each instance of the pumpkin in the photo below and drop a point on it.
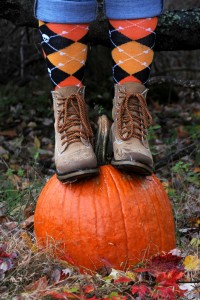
(113, 219)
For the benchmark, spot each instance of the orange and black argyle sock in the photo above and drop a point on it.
(132, 43)
(65, 50)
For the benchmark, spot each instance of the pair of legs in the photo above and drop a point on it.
(64, 27)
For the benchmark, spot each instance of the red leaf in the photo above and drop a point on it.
(162, 263)
(89, 289)
(169, 278)
(170, 293)
(4, 254)
(122, 280)
(118, 297)
(141, 290)
(61, 295)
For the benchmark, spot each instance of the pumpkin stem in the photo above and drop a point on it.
(103, 148)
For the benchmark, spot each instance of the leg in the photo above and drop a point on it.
(64, 29)
(132, 36)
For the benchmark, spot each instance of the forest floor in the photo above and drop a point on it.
(26, 163)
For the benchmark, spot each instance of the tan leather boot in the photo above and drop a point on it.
(129, 130)
(74, 155)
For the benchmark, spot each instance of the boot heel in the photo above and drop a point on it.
(102, 140)
(110, 147)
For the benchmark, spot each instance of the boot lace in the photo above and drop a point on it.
(133, 117)
(72, 122)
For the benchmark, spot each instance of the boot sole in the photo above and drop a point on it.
(76, 175)
(133, 167)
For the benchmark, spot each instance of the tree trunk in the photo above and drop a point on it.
(177, 30)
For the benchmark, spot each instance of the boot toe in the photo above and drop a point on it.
(80, 160)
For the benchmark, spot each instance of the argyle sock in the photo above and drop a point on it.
(65, 50)
(132, 44)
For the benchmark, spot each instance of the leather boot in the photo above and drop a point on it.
(74, 155)
(129, 130)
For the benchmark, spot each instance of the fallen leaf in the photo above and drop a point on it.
(142, 290)
(196, 170)
(3, 209)
(15, 180)
(61, 295)
(194, 222)
(169, 278)
(181, 132)
(9, 226)
(162, 263)
(122, 280)
(55, 275)
(131, 275)
(3, 151)
(171, 293)
(28, 223)
(40, 284)
(28, 211)
(10, 133)
(176, 252)
(89, 288)
(192, 263)
(4, 219)
(104, 271)
(195, 242)
(36, 143)
(28, 241)
(6, 261)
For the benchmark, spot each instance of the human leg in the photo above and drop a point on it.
(132, 36)
(64, 30)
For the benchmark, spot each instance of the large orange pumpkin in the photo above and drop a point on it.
(114, 219)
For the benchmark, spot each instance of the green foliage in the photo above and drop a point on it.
(195, 243)
(152, 132)
(180, 167)
(18, 191)
(184, 169)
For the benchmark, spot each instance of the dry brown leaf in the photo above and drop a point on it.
(28, 223)
(10, 225)
(29, 242)
(10, 133)
(196, 170)
(38, 285)
(181, 132)
(28, 211)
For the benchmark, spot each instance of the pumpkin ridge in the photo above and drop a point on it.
(96, 222)
(108, 198)
(157, 191)
(123, 215)
(151, 200)
(142, 226)
(167, 209)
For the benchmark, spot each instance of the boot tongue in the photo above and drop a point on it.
(133, 112)
(73, 124)
(135, 88)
